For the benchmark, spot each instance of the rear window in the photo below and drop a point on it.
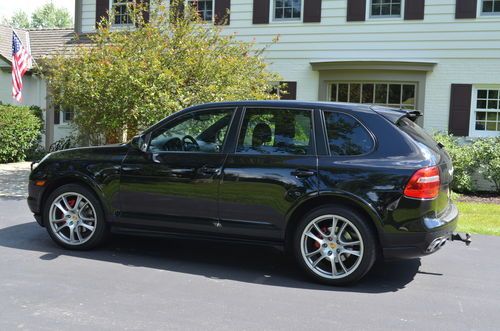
(346, 136)
(417, 133)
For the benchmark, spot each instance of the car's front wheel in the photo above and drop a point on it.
(334, 245)
(74, 217)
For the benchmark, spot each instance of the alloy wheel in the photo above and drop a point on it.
(332, 246)
(72, 218)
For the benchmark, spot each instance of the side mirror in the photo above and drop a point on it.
(140, 142)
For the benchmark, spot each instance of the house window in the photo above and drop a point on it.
(287, 10)
(386, 94)
(68, 115)
(385, 8)
(490, 7)
(486, 115)
(121, 11)
(205, 8)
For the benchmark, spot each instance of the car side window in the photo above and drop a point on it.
(276, 131)
(200, 131)
(346, 135)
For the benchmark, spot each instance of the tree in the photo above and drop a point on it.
(49, 16)
(128, 80)
(19, 20)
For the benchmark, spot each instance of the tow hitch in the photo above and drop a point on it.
(465, 237)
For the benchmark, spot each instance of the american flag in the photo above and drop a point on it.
(21, 59)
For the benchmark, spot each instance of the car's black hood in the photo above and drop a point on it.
(106, 152)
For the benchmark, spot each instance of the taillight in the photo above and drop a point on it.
(424, 184)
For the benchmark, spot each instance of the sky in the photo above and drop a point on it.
(9, 7)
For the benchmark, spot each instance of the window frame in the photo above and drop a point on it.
(361, 82)
(273, 19)
(369, 15)
(325, 133)
(179, 117)
(482, 14)
(242, 119)
(212, 20)
(124, 2)
(473, 110)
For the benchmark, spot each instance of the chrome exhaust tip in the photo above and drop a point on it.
(436, 244)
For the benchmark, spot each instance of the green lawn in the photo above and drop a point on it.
(483, 218)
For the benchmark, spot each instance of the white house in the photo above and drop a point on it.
(439, 56)
(42, 43)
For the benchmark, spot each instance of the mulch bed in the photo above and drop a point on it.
(481, 198)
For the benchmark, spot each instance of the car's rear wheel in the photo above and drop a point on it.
(74, 217)
(334, 245)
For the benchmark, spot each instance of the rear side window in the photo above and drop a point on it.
(417, 133)
(346, 136)
(276, 132)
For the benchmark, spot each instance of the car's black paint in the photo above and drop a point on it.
(256, 197)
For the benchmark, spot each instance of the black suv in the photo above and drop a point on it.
(337, 185)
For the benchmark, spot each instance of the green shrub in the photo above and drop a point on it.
(20, 130)
(482, 155)
(464, 162)
(486, 152)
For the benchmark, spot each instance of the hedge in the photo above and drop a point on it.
(20, 130)
(482, 155)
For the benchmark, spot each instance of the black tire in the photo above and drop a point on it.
(369, 252)
(100, 231)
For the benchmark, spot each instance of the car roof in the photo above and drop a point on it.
(286, 103)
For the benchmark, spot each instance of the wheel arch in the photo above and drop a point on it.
(332, 199)
(81, 180)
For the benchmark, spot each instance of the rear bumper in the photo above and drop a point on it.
(416, 244)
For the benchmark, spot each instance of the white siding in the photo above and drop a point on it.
(466, 50)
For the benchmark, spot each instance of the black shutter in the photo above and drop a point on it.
(222, 8)
(312, 11)
(356, 10)
(414, 9)
(460, 100)
(465, 9)
(291, 89)
(145, 13)
(57, 114)
(101, 10)
(260, 12)
(176, 9)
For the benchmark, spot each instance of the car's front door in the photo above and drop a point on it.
(174, 184)
(273, 167)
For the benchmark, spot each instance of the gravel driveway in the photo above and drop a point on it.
(14, 180)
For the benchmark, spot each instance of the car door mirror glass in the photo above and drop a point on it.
(140, 142)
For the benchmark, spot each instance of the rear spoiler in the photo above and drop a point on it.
(394, 114)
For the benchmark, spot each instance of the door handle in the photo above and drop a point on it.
(209, 170)
(302, 173)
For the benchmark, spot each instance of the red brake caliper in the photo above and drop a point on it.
(72, 203)
(316, 244)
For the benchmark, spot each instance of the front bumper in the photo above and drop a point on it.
(35, 201)
(416, 244)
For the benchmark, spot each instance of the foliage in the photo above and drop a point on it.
(464, 163)
(19, 20)
(50, 16)
(132, 77)
(486, 152)
(19, 132)
(482, 154)
(47, 16)
(37, 151)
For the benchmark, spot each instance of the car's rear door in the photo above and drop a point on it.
(273, 167)
(174, 184)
